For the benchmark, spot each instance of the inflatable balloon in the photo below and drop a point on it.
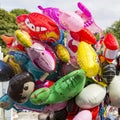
(84, 35)
(6, 71)
(23, 38)
(83, 115)
(91, 96)
(42, 56)
(87, 59)
(113, 91)
(88, 19)
(72, 45)
(64, 89)
(51, 12)
(108, 49)
(108, 71)
(12, 43)
(7, 103)
(21, 86)
(71, 21)
(62, 53)
(39, 26)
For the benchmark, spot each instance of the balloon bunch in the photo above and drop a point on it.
(56, 64)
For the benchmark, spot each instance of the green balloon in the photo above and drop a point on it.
(64, 89)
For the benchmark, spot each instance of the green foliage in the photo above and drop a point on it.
(18, 12)
(115, 29)
(7, 26)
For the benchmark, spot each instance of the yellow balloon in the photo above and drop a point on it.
(24, 38)
(87, 59)
(62, 53)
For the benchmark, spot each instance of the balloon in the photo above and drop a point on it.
(21, 86)
(91, 96)
(108, 49)
(71, 21)
(42, 56)
(67, 68)
(108, 72)
(7, 103)
(72, 45)
(84, 35)
(64, 89)
(39, 26)
(87, 59)
(113, 91)
(83, 115)
(23, 38)
(51, 12)
(12, 43)
(88, 19)
(62, 53)
(6, 71)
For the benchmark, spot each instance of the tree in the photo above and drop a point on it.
(7, 26)
(8, 23)
(18, 12)
(115, 29)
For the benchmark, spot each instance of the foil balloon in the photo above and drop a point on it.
(51, 12)
(83, 115)
(108, 72)
(84, 35)
(71, 21)
(62, 53)
(88, 19)
(6, 71)
(107, 48)
(91, 96)
(39, 26)
(23, 38)
(113, 91)
(7, 103)
(12, 43)
(87, 59)
(64, 89)
(42, 56)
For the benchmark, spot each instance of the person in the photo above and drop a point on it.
(118, 117)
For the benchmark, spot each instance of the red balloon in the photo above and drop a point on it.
(84, 35)
(39, 26)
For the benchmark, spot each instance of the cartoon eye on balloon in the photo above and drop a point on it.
(39, 26)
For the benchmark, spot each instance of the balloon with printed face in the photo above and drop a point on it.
(42, 56)
(91, 96)
(39, 26)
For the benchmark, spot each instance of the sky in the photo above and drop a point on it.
(104, 12)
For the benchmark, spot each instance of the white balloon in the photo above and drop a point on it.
(114, 91)
(91, 96)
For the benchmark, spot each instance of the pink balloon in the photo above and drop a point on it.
(71, 21)
(83, 115)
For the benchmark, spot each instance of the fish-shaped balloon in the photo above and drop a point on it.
(42, 56)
